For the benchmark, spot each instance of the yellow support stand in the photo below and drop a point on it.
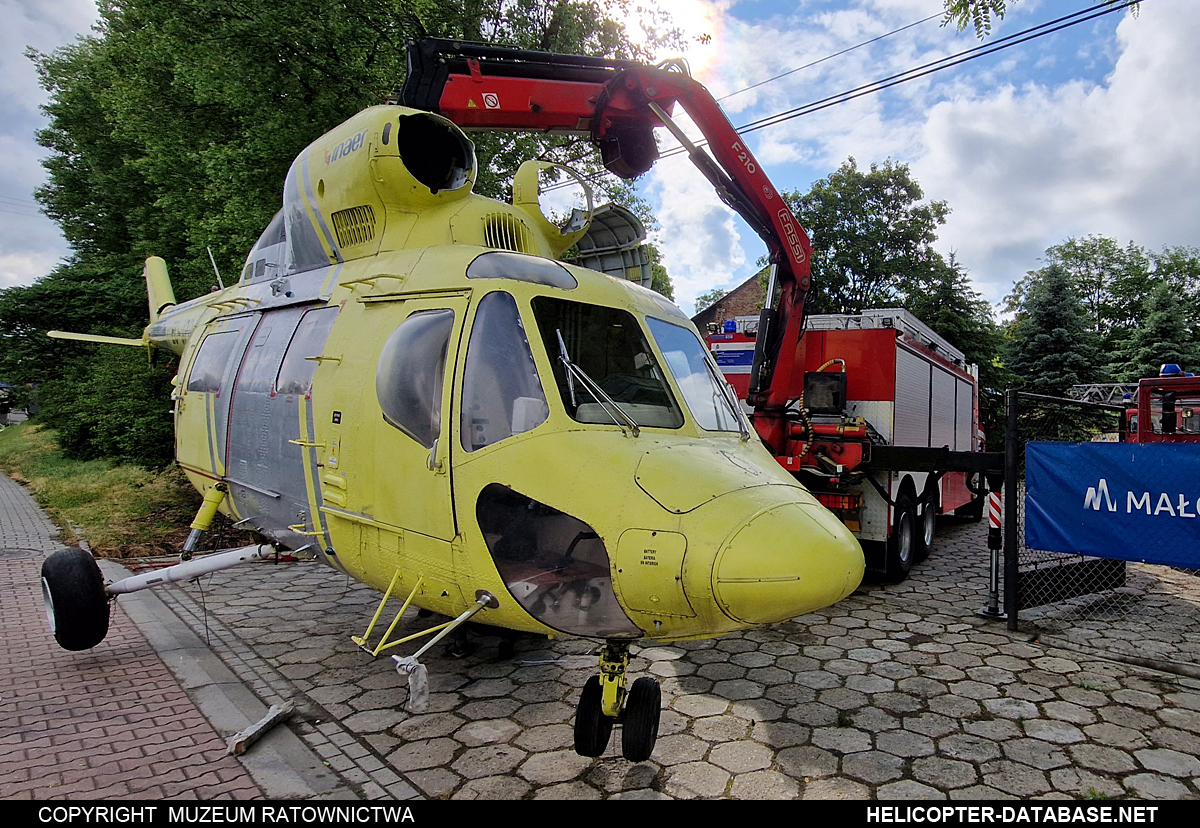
(213, 499)
(383, 644)
(614, 660)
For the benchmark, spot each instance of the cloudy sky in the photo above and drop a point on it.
(1094, 129)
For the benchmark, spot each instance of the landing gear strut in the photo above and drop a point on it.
(605, 701)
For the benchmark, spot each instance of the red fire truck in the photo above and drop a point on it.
(1168, 409)
(881, 403)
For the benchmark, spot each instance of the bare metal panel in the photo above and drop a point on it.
(265, 471)
(964, 431)
(876, 412)
(941, 416)
(912, 399)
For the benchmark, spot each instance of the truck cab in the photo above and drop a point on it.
(1167, 409)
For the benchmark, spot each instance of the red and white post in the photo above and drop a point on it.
(995, 543)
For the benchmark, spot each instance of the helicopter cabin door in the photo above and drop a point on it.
(202, 407)
(265, 465)
(413, 379)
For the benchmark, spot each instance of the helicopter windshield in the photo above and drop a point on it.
(608, 346)
(709, 403)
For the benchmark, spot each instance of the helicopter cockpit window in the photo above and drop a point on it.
(408, 381)
(269, 250)
(502, 394)
(299, 365)
(607, 344)
(503, 265)
(209, 366)
(555, 566)
(709, 402)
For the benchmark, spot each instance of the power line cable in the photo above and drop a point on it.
(830, 57)
(1024, 36)
(809, 65)
(1016, 39)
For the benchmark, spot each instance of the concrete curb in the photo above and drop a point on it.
(281, 764)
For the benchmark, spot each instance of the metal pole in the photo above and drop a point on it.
(1012, 454)
(995, 543)
(191, 569)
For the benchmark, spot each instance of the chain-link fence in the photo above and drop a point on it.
(1132, 610)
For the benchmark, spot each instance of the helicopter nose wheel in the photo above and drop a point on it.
(604, 702)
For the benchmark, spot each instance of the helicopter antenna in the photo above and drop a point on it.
(214, 264)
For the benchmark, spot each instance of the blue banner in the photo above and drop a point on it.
(1115, 500)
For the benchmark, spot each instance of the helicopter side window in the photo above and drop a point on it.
(208, 368)
(555, 565)
(608, 346)
(502, 394)
(499, 264)
(408, 381)
(299, 363)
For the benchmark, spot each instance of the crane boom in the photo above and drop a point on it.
(617, 104)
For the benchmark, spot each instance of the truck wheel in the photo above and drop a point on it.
(902, 545)
(928, 525)
(76, 603)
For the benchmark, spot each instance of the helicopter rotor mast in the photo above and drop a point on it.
(617, 104)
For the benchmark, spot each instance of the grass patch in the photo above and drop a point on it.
(122, 511)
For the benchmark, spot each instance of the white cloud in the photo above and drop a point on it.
(700, 241)
(1028, 148)
(1027, 168)
(30, 243)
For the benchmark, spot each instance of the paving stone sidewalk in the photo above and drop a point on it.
(109, 723)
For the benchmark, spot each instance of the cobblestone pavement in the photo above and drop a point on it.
(899, 692)
(111, 722)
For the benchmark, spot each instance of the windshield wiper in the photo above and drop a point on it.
(592, 388)
(730, 399)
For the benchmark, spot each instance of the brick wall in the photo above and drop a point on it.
(744, 300)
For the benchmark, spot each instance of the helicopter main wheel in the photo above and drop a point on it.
(592, 727)
(76, 603)
(639, 730)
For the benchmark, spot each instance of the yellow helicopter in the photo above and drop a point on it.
(408, 381)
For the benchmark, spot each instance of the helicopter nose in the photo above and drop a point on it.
(786, 561)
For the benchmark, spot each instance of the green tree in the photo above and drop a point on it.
(1111, 281)
(871, 235)
(710, 298)
(1164, 336)
(172, 128)
(1179, 267)
(1051, 344)
(978, 14)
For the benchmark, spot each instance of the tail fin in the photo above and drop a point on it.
(158, 287)
(162, 296)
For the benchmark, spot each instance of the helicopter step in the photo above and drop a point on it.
(605, 702)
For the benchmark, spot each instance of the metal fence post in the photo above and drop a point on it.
(1012, 455)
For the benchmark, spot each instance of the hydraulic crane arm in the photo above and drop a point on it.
(617, 104)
